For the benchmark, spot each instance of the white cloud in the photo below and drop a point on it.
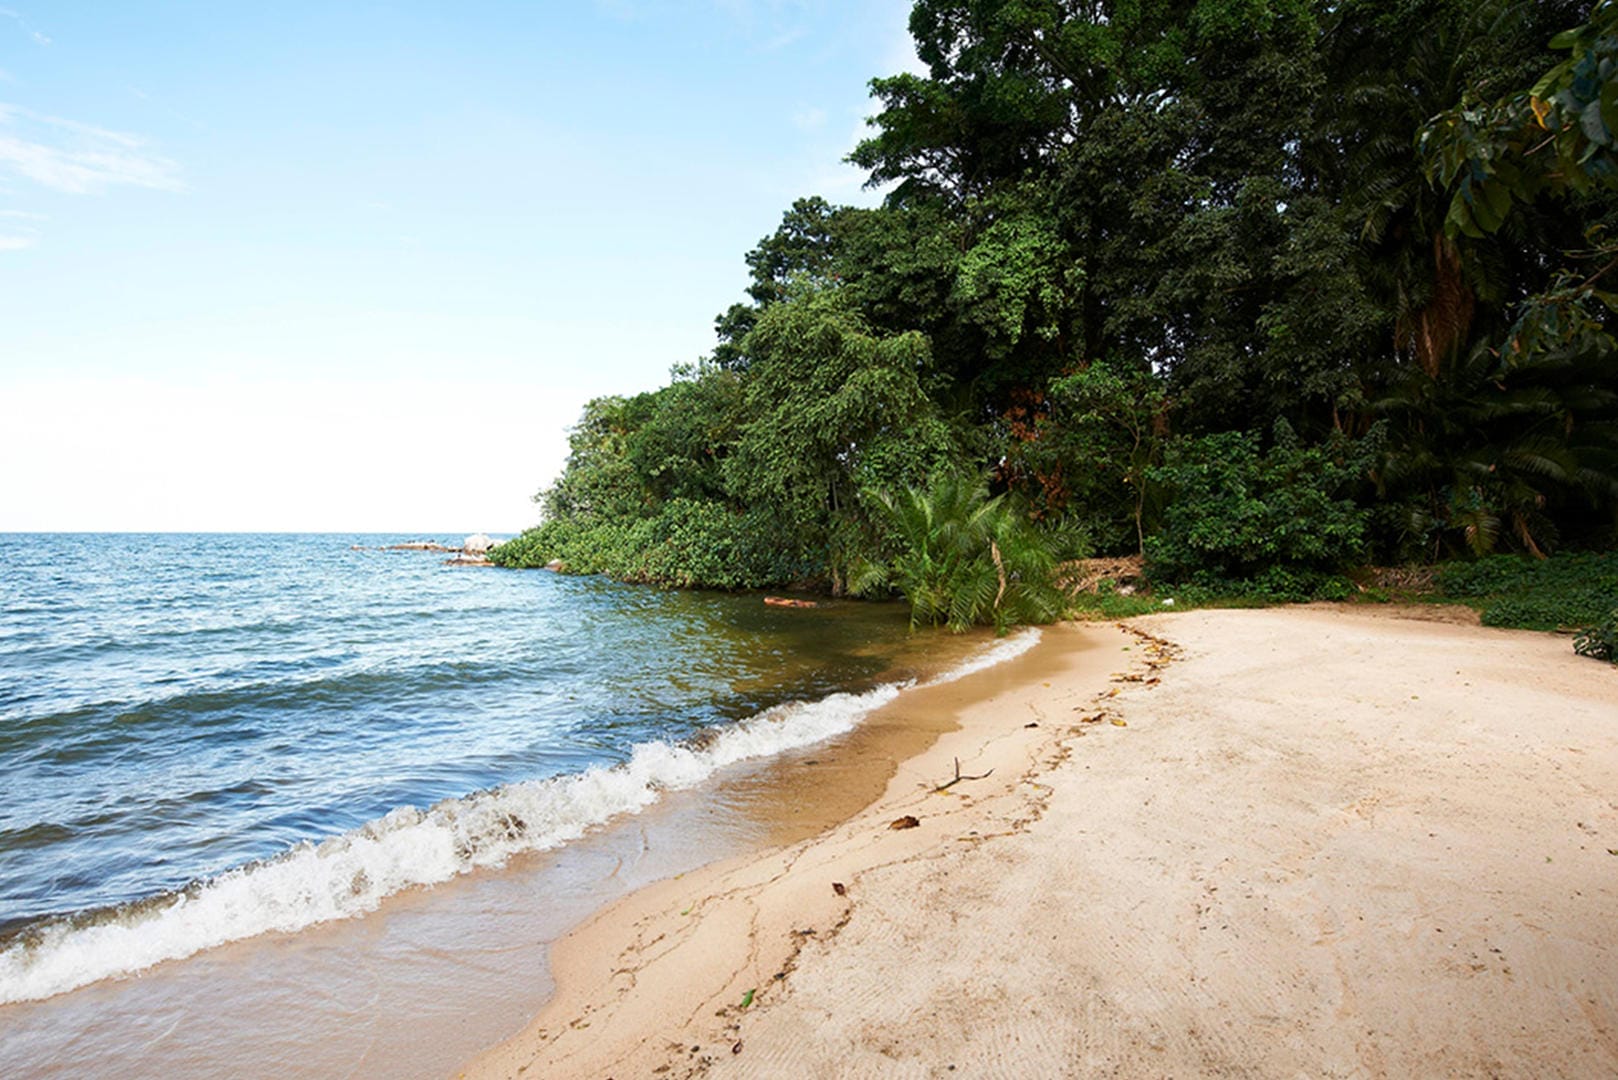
(65, 155)
(17, 229)
(22, 24)
(782, 40)
(621, 10)
(847, 182)
(736, 9)
(810, 119)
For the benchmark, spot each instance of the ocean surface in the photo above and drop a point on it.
(204, 738)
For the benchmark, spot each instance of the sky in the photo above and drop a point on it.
(358, 267)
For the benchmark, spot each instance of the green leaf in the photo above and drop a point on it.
(1484, 215)
(1498, 198)
(1595, 128)
(1551, 78)
(747, 999)
(1609, 106)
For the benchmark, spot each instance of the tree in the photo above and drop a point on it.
(1559, 136)
(833, 408)
(1106, 429)
(1493, 451)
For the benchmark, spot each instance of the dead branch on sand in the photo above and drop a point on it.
(959, 778)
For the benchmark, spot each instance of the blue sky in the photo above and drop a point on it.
(358, 266)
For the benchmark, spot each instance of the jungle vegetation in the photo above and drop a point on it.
(1260, 289)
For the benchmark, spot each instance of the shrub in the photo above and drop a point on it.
(1275, 585)
(687, 543)
(1280, 519)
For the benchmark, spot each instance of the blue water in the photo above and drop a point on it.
(174, 708)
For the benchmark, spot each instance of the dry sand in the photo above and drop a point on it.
(1326, 843)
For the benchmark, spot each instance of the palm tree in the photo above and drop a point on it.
(1487, 450)
(963, 558)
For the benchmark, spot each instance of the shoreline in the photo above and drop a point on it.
(623, 975)
(1306, 847)
(480, 939)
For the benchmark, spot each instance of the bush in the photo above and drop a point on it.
(1276, 585)
(688, 543)
(1279, 520)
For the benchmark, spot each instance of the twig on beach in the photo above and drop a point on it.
(959, 778)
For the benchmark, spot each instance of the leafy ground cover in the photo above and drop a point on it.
(1566, 592)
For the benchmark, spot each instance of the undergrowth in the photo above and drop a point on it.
(1566, 592)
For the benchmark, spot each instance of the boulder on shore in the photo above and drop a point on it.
(477, 544)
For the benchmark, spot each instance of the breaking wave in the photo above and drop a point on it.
(352, 873)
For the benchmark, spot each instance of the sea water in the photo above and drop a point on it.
(205, 739)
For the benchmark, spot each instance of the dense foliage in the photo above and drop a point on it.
(1237, 512)
(1571, 591)
(961, 558)
(1257, 287)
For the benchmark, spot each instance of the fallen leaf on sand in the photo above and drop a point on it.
(747, 998)
(839, 888)
(909, 821)
(1119, 723)
(736, 1048)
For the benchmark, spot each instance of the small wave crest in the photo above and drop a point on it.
(998, 653)
(351, 874)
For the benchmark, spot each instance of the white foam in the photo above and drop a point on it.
(353, 873)
(1008, 649)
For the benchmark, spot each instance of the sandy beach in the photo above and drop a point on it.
(1303, 841)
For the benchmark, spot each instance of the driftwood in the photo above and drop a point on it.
(958, 777)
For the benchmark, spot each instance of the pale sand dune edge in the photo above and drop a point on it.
(1327, 843)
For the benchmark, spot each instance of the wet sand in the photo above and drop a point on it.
(1319, 842)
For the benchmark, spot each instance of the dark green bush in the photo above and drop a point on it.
(1280, 519)
(687, 543)
(1275, 585)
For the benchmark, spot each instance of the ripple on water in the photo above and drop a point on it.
(176, 709)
